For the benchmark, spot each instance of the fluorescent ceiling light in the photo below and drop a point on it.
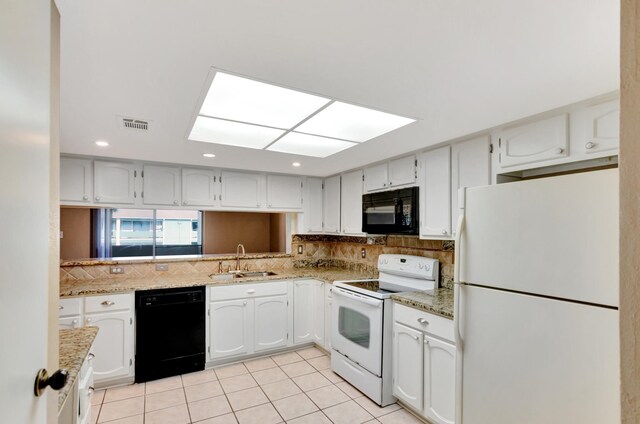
(309, 145)
(208, 155)
(102, 143)
(354, 123)
(219, 131)
(296, 164)
(242, 99)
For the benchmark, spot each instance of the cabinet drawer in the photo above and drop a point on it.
(108, 303)
(242, 291)
(420, 320)
(70, 306)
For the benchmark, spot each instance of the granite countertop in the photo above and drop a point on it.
(168, 259)
(74, 348)
(436, 301)
(120, 285)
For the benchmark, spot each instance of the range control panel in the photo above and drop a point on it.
(409, 266)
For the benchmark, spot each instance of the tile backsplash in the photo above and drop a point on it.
(346, 251)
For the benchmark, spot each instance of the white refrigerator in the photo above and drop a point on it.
(536, 301)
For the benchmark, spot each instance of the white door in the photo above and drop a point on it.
(351, 203)
(68, 323)
(327, 315)
(284, 192)
(402, 171)
(407, 369)
(28, 160)
(76, 180)
(113, 347)
(596, 129)
(376, 177)
(114, 182)
(161, 185)
(357, 328)
(331, 205)
(536, 142)
(439, 380)
(528, 359)
(318, 312)
(303, 291)
(313, 205)
(435, 193)
(470, 167)
(199, 187)
(231, 328)
(242, 190)
(270, 322)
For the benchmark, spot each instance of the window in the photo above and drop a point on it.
(141, 232)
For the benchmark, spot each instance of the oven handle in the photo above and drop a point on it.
(362, 299)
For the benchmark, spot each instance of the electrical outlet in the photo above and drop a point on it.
(116, 270)
(162, 267)
(61, 234)
(363, 252)
(300, 249)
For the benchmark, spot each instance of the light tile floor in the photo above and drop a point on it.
(295, 387)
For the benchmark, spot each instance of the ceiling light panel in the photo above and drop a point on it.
(219, 131)
(350, 122)
(309, 145)
(242, 99)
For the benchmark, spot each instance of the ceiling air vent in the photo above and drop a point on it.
(134, 124)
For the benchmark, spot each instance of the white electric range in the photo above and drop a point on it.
(362, 322)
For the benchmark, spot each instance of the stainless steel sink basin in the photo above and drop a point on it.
(233, 275)
(249, 274)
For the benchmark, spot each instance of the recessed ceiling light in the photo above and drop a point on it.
(102, 143)
(208, 155)
(296, 164)
(211, 130)
(309, 145)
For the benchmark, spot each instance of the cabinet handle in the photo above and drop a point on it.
(88, 320)
(185, 203)
(85, 197)
(91, 356)
(559, 151)
(444, 232)
(97, 198)
(416, 337)
(423, 321)
(251, 291)
(175, 202)
(258, 205)
(108, 303)
(60, 307)
(244, 303)
(74, 323)
(390, 182)
(269, 204)
(590, 145)
(90, 391)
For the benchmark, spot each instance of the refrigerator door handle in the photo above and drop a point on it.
(456, 304)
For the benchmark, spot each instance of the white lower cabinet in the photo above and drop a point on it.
(328, 301)
(308, 312)
(230, 328)
(424, 363)
(270, 323)
(318, 313)
(113, 347)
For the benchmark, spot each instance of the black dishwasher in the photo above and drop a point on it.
(170, 332)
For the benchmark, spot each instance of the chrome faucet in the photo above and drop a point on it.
(238, 256)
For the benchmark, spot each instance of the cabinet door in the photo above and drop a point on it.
(439, 380)
(114, 182)
(435, 193)
(332, 205)
(161, 185)
(351, 203)
(402, 171)
(199, 187)
(596, 129)
(318, 312)
(303, 308)
(230, 327)
(69, 322)
(76, 180)
(113, 346)
(376, 177)
(242, 190)
(284, 192)
(327, 315)
(270, 322)
(408, 365)
(470, 167)
(536, 142)
(313, 205)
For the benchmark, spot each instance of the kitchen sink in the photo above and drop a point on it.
(241, 274)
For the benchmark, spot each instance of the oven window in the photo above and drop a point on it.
(380, 215)
(354, 326)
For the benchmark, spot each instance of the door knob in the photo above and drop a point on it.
(56, 381)
(559, 151)
(590, 145)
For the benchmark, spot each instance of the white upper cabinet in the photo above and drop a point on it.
(114, 182)
(199, 187)
(535, 142)
(402, 171)
(243, 190)
(284, 192)
(332, 204)
(390, 174)
(435, 193)
(470, 167)
(596, 129)
(76, 180)
(351, 203)
(313, 205)
(161, 185)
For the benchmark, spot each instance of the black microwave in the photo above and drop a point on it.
(391, 212)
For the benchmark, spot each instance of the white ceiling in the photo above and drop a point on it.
(459, 66)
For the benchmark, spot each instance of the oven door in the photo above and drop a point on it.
(357, 328)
